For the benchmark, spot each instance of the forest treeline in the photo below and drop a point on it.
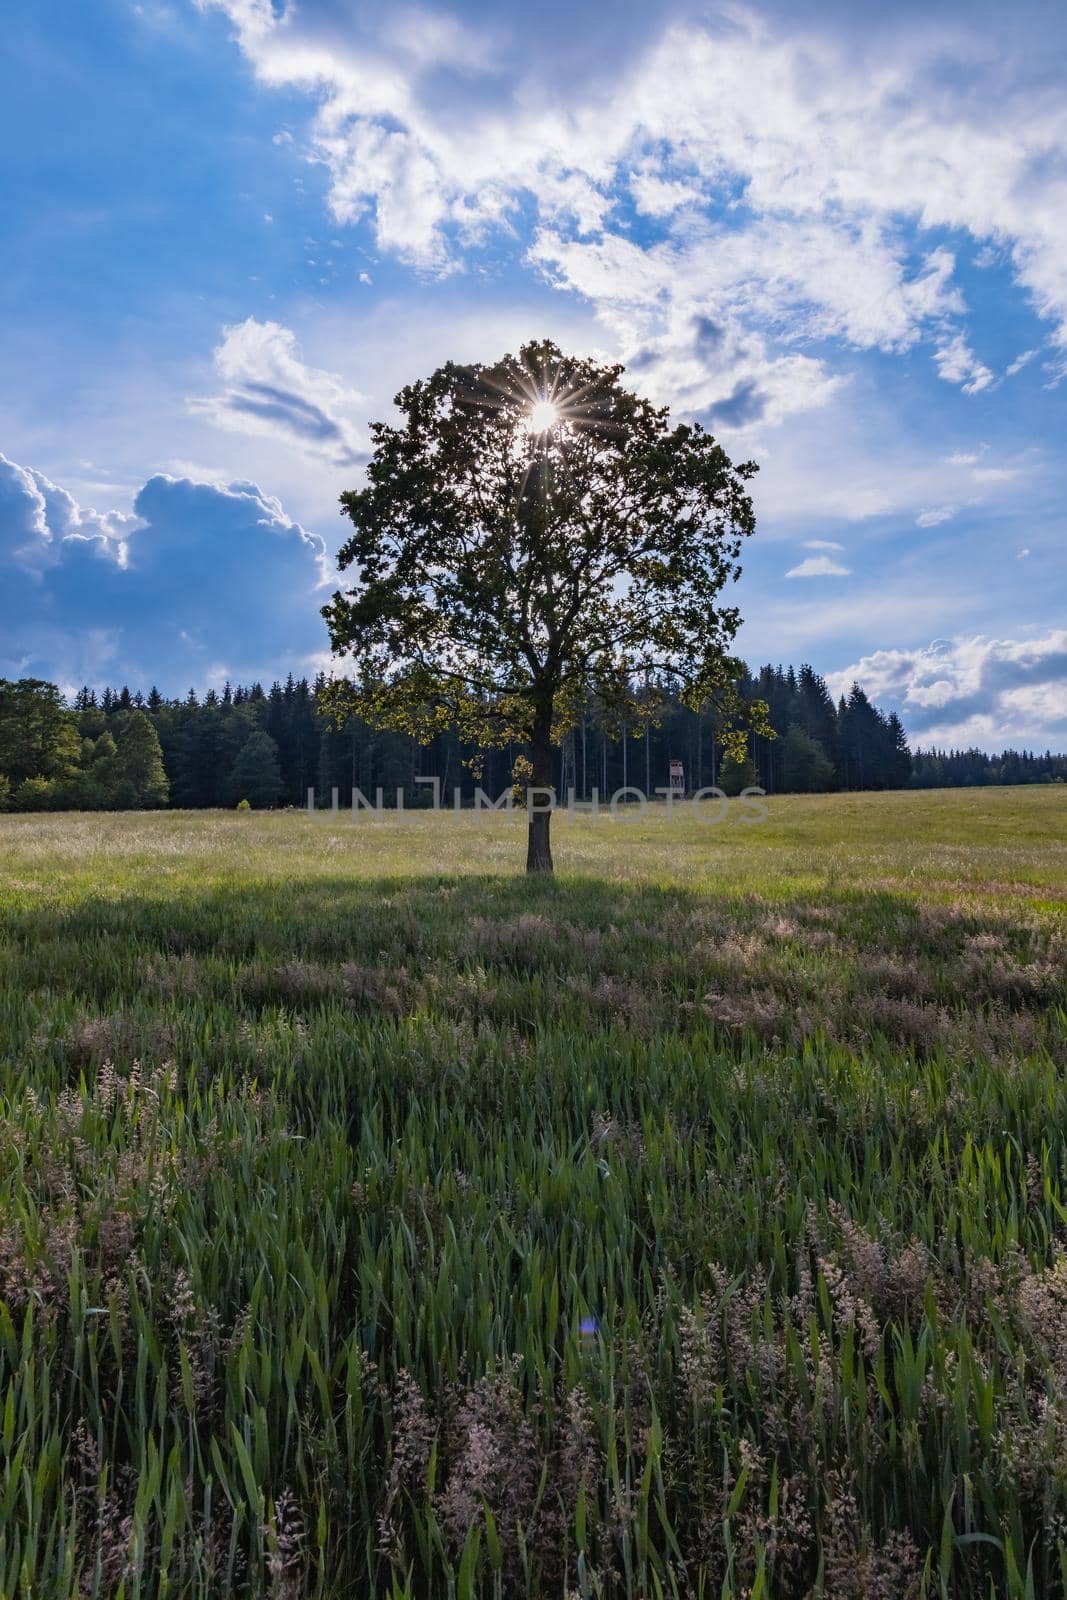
(268, 747)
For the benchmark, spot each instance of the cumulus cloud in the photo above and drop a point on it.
(796, 181)
(195, 569)
(822, 544)
(270, 391)
(818, 567)
(972, 690)
(37, 518)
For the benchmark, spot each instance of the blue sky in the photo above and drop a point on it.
(837, 235)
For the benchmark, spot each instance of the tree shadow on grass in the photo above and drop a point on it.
(523, 955)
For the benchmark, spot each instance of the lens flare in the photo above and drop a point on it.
(543, 416)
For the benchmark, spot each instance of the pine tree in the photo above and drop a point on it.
(815, 711)
(899, 754)
(201, 762)
(805, 767)
(256, 775)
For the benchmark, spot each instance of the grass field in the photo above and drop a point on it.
(374, 1222)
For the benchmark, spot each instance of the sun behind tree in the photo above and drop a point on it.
(532, 534)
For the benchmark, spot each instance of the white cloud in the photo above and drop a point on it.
(656, 196)
(801, 279)
(972, 689)
(270, 391)
(37, 518)
(196, 566)
(822, 158)
(957, 363)
(822, 544)
(435, 39)
(1022, 554)
(386, 170)
(1020, 362)
(935, 516)
(818, 567)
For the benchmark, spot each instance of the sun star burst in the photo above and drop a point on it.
(543, 416)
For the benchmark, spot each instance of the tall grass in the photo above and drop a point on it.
(693, 1225)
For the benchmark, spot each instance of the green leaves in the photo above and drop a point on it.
(498, 570)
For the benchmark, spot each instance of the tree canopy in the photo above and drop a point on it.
(530, 534)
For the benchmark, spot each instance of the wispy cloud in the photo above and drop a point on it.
(933, 517)
(270, 391)
(1020, 362)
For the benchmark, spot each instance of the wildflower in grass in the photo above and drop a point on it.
(493, 1459)
(412, 1437)
(285, 1558)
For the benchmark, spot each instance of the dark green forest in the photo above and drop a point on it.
(120, 750)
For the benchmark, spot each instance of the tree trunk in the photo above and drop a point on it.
(538, 846)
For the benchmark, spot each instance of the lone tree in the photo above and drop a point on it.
(531, 534)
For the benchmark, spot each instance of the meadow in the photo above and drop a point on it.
(376, 1222)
